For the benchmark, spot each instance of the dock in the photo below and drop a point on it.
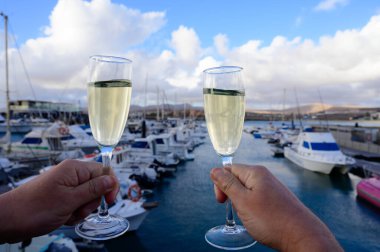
(368, 166)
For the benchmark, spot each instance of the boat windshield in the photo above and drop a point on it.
(324, 146)
(306, 145)
(159, 141)
(140, 145)
(68, 137)
(32, 140)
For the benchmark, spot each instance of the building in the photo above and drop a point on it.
(44, 109)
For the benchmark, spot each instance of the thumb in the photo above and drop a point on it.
(93, 189)
(228, 183)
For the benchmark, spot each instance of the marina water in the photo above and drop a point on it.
(188, 207)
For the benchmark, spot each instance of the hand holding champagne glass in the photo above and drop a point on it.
(224, 108)
(109, 91)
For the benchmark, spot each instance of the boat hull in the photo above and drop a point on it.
(369, 190)
(308, 164)
(18, 129)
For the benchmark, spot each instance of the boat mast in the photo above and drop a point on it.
(283, 107)
(145, 93)
(158, 104)
(184, 111)
(8, 134)
(298, 109)
(324, 110)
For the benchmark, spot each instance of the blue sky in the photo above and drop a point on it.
(281, 44)
(261, 20)
(249, 19)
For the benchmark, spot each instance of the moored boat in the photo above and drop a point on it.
(318, 152)
(369, 190)
(42, 145)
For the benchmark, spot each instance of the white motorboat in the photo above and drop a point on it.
(166, 142)
(125, 168)
(16, 126)
(8, 165)
(38, 144)
(145, 149)
(24, 125)
(74, 137)
(50, 242)
(318, 152)
(42, 145)
(284, 138)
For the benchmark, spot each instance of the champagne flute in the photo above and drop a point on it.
(109, 91)
(224, 107)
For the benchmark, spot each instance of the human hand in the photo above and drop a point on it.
(65, 194)
(269, 211)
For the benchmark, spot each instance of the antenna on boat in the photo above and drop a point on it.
(175, 112)
(145, 93)
(283, 106)
(298, 109)
(158, 104)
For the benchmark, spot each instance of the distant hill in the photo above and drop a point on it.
(315, 109)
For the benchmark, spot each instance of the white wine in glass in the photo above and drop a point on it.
(109, 91)
(108, 108)
(224, 107)
(225, 111)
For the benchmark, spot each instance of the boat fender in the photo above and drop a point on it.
(134, 193)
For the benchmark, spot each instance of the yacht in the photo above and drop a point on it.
(42, 145)
(318, 152)
(74, 137)
(127, 166)
(23, 125)
(145, 149)
(9, 166)
(166, 142)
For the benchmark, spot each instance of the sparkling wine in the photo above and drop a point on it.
(224, 111)
(108, 108)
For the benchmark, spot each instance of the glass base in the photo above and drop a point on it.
(102, 228)
(229, 238)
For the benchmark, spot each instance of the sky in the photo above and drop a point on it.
(311, 47)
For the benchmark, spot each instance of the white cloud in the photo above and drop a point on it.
(332, 63)
(345, 66)
(327, 5)
(221, 43)
(77, 30)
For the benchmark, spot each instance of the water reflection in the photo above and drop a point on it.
(188, 207)
(133, 241)
(341, 182)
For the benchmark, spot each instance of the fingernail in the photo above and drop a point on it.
(108, 182)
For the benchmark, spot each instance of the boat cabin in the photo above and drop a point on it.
(43, 140)
(318, 141)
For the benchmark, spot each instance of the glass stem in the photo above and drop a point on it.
(230, 221)
(106, 160)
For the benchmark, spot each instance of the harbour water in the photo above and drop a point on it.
(188, 208)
